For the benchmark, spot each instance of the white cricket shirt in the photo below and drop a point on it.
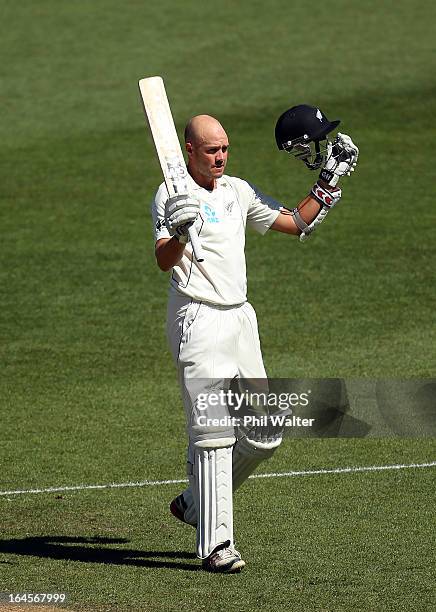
(224, 213)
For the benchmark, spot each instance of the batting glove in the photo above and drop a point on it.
(181, 212)
(342, 156)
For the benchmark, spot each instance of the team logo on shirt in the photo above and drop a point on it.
(210, 214)
(228, 208)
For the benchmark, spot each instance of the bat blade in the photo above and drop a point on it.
(166, 141)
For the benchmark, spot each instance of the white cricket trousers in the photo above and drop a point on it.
(209, 341)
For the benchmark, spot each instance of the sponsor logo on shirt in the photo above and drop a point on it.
(210, 214)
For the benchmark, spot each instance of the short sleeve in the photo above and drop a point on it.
(262, 210)
(158, 214)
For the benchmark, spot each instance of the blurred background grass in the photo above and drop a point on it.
(86, 374)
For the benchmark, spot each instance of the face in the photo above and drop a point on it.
(208, 156)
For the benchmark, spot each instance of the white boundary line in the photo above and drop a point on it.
(154, 483)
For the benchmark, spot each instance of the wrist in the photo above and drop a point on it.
(325, 196)
(327, 185)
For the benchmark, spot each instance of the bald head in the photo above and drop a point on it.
(207, 147)
(204, 128)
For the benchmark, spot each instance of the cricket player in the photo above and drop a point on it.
(212, 329)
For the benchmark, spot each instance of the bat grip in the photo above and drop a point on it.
(196, 245)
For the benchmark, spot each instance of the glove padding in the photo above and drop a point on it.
(342, 156)
(181, 212)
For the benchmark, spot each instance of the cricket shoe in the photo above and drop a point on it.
(179, 508)
(224, 559)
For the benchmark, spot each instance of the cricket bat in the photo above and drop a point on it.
(166, 141)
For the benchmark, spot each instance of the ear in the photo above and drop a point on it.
(188, 147)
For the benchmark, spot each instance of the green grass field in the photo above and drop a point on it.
(88, 390)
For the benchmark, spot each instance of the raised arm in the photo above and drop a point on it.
(296, 220)
(177, 215)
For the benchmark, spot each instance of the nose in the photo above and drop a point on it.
(219, 158)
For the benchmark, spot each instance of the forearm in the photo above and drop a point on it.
(308, 210)
(169, 252)
(310, 207)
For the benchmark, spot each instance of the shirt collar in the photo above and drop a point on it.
(193, 186)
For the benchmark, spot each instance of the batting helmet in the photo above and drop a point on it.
(302, 122)
(300, 126)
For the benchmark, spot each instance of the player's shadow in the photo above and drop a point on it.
(95, 550)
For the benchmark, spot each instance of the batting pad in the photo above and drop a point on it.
(247, 455)
(211, 484)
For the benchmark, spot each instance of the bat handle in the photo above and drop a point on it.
(196, 245)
